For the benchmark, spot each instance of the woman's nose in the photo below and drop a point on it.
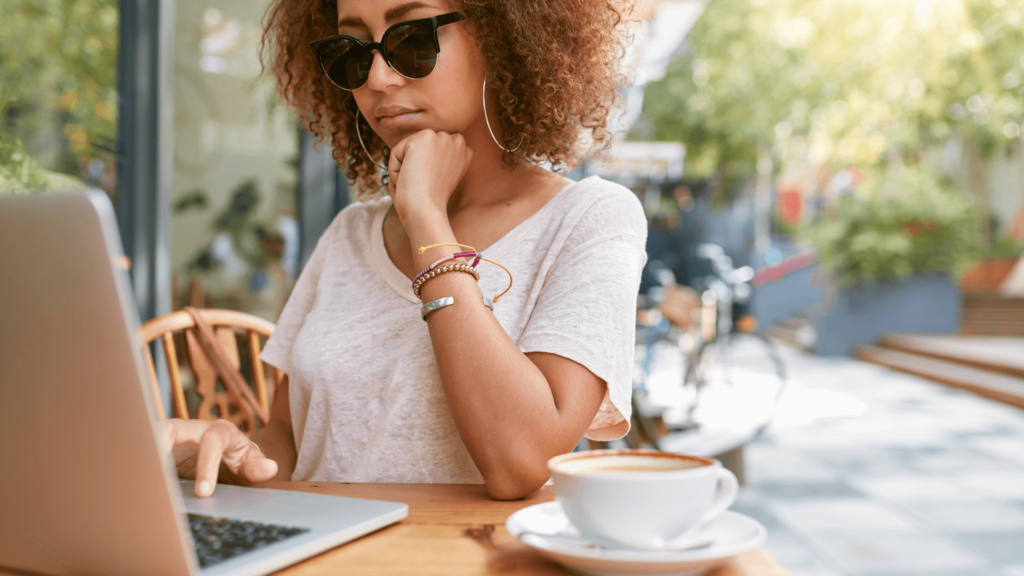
(382, 76)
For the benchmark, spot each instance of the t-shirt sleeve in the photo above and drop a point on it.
(278, 349)
(586, 311)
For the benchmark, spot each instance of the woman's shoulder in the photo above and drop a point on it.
(600, 204)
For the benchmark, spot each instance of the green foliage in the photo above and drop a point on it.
(783, 228)
(58, 59)
(17, 168)
(835, 83)
(906, 222)
(1004, 248)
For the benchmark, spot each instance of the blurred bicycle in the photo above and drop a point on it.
(732, 375)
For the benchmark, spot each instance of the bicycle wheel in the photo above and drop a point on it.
(739, 379)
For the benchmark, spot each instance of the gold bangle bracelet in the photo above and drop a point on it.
(450, 268)
(479, 257)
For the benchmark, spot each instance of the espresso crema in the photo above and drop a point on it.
(628, 463)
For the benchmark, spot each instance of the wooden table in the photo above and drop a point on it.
(452, 529)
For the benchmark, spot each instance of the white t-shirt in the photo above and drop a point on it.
(367, 402)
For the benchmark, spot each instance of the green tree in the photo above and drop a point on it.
(834, 83)
(58, 62)
(16, 167)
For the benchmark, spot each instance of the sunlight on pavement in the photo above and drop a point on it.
(802, 405)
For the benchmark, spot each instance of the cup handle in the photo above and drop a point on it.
(728, 489)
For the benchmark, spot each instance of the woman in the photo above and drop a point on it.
(460, 102)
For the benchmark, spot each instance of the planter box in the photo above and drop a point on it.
(923, 303)
(987, 274)
(787, 288)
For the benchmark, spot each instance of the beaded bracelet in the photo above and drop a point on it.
(479, 257)
(437, 272)
(447, 258)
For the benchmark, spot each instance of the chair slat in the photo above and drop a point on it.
(226, 335)
(244, 414)
(178, 406)
(151, 368)
(230, 406)
(206, 377)
(258, 377)
(206, 383)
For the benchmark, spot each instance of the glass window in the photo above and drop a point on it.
(234, 232)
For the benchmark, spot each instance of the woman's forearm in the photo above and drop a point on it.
(509, 415)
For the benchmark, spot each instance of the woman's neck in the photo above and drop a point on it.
(490, 182)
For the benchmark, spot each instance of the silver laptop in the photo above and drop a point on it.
(85, 487)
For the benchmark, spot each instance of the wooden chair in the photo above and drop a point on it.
(229, 405)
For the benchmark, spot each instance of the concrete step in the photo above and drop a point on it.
(995, 354)
(992, 327)
(993, 314)
(989, 300)
(1007, 389)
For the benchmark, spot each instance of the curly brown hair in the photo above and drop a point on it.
(553, 63)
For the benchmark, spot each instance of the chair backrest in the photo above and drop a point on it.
(229, 405)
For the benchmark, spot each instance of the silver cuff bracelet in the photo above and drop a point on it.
(447, 301)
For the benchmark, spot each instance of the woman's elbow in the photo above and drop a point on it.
(509, 491)
(514, 486)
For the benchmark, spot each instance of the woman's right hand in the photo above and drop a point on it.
(206, 450)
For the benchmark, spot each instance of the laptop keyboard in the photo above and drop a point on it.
(220, 539)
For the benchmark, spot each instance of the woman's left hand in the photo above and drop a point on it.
(423, 172)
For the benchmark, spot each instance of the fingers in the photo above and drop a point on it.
(185, 431)
(395, 165)
(392, 183)
(220, 436)
(424, 170)
(201, 447)
(398, 152)
(257, 468)
(169, 431)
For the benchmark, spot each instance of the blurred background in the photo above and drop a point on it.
(834, 298)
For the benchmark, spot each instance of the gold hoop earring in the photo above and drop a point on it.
(360, 137)
(493, 137)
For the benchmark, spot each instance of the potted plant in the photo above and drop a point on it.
(893, 252)
(994, 265)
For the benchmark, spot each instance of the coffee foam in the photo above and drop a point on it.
(626, 463)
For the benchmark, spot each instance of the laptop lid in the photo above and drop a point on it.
(84, 488)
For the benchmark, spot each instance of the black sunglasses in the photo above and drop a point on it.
(409, 48)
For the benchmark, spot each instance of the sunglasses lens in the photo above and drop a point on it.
(347, 64)
(411, 49)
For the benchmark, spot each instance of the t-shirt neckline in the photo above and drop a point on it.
(398, 281)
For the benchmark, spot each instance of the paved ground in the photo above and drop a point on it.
(870, 472)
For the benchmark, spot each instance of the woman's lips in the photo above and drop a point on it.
(397, 121)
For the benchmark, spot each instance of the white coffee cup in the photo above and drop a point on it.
(641, 498)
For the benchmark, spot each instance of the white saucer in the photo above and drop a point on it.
(733, 534)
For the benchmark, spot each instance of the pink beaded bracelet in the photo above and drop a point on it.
(437, 272)
(479, 257)
(447, 258)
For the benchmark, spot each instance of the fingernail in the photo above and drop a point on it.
(204, 487)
